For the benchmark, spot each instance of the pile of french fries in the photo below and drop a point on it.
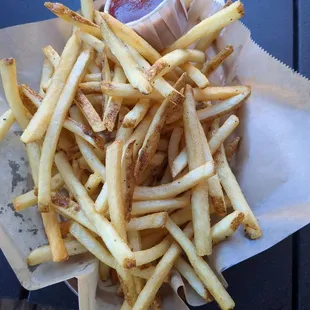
(126, 150)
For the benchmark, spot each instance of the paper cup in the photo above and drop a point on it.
(163, 25)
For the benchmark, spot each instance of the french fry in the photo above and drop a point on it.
(54, 128)
(235, 194)
(115, 189)
(84, 132)
(125, 306)
(92, 183)
(47, 72)
(156, 220)
(208, 26)
(39, 123)
(74, 18)
(152, 137)
(43, 254)
(173, 148)
(122, 132)
(33, 96)
(119, 90)
(91, 244)
(226, 227)
(231, 148)
(145, 207)
(7, 119)
(92, 77)
(202, 269)
(188, 272)
(114, 103)
(135, 116)
(195, 75)
(88, 111)
(113, 241)
(199, 199)
(130, 67)
(176, 187)
(170, 61)
(162, 270)
(217, 60)
(90, 87)
(87, 9)
(51, 55)
(128, 177)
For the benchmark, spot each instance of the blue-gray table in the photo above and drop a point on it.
(279, 278)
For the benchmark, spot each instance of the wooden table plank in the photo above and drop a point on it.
(303, 236)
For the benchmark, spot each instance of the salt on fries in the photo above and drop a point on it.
(131, 155)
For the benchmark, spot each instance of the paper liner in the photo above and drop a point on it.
(272, 167)
(162, 26)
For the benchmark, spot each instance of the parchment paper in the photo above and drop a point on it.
(272, 165)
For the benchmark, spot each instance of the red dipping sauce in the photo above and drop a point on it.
(128, 11)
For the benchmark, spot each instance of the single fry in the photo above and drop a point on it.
(195, 75)
(227, 226)
(74, 18)
(55, 126)
(113, 105)
(130, 67)
(156, 220)
(135, 116)
(176, 187)
(43, 254)
(115, 188)
(209, 25)
(152, 137)
(92, 183)
(7, 119)
(168, 62)
(90, 87)
(47, 72)
(87, 9)
(235, 194)
(188, 272)
(173, 148)
(202, 269)
(110, 237)
(128, 167)
(51, 55)
(88, 111)
(145, 207)
(195, 153)
(217, 60)
(40, 121)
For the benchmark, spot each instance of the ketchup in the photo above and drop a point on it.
(130, 10)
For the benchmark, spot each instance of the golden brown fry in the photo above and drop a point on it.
(170, 61)
(145, 207)
(90, 87)
(88, 111)
(152, 137)
(110, 237)
(128, 167)
(135, 116)
(115, 188)
(51, 55)
(74, 18)
(155, 220)
(173, 148)
(208, 26)
(40, 121)
(113, 105)
(195, 75)
(92, 183)
(92, 77)
(202, 269)
(217, 60)
(176, 187)
(195, 153)
(55, 126)
(47, 72)
(130, 67)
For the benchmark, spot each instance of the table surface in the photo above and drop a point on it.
(277, 279)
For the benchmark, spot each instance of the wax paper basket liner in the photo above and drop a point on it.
(272, 165)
